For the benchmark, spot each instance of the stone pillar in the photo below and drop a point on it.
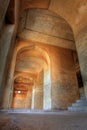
(7, 40)
(33, 96)
(81, 45)
(47, 90)
(8, 92)
(6, 47)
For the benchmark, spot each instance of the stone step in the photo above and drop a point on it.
(84, 108)
(80, 104)
(83, 97)
(81, 101)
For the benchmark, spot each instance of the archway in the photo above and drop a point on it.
(36, 64)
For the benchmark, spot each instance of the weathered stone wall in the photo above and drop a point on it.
(7, 38)
(19, 100)
(81, 45)
(5, 56)
(28, 101)
(64, 82)
(44, 26)
(38, 97)
(64, 86)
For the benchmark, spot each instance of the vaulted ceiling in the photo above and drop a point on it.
(44, 26)
(74, 11)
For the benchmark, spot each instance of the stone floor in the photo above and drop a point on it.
(43, 121)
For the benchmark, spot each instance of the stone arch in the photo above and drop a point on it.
(19, 49)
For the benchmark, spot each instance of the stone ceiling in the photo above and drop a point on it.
(74, 11)
(46, 27)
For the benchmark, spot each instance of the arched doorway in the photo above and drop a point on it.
(32, 69)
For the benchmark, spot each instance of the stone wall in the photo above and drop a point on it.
(28, 100)
(45, 27)
(81, 45)
(64, 82)
(5, 55)
(38, 97)
(19, 100)
(7, 38)
(64, 86)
